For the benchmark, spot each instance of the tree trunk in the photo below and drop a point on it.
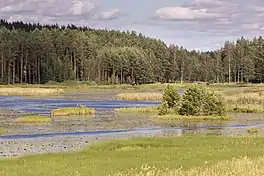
(21, 65)
(14, 71)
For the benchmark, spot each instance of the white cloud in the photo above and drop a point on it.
(183, 13)
(110, 15)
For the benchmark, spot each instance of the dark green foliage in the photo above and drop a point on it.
(170, 96)
(197, 100)
(33, 53)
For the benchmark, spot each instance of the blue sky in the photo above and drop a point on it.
(195, 24)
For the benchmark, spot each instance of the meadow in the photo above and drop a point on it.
(184, 156)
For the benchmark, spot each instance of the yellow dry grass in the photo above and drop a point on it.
(144, 96)
(236, 167)
(33, 119)
(82, 110)
(18, 91)
(138, 110)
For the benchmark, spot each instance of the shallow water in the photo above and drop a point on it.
(105, 121)
(44, 106)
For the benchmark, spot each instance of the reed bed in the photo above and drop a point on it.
(180, 117)
(242, 166)
(33, 119)
(73, 111)
(140, 96)
(18, 91)
(246, 98)
(138, 110)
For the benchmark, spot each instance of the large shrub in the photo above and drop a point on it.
(170, 96)
(197, 100)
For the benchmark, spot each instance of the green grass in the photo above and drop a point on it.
(180, 117)
(2, 131)
(33, 119)
(143, 96)
(117, 156)
(253, 131)
(138, 110)
(73, 111)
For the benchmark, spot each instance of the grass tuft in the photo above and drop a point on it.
(18, 91)
(245, 108)
(33, 119)
(138, 110)
(140, 96)
(2, 131)
(73, 111)
(253, 131)
(180, 117)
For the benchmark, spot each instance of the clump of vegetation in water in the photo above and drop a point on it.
(2, 131)
(196, 101)
(253, 131)
(82, 110)
(33, 119)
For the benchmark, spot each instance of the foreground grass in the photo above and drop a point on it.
(180, 117)
(115, 157)
(73, 111)
(236, 167)
(33, 119)
(18, 91)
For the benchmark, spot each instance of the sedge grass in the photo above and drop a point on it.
(73, 111)
(183, 117)
(18, 91)
(33, 119)
(140, 96)
(120, 156)
(2, 131)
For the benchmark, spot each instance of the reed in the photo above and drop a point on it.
(73, 111)
(18, 91)
(245, 108)
(33, 119)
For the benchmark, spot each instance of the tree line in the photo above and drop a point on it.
(35, 53)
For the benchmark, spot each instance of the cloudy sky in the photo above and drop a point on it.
(195, 24)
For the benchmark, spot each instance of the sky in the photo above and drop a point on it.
(193, 24)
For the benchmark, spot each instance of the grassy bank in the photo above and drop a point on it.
(18, 91)
(2, 131)
(115, 157)
(180, 117)
(147, 96)
(137, 110)
(33, 119)
(72, 111)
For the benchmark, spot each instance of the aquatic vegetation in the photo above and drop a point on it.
(138, 110)
(213, 155)
(191, 117)
(18, 91)
(144, 96)
(33, 119)
(82, 110)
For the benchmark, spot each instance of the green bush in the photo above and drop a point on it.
(171, 96)
(163, 109)
(197, 100)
